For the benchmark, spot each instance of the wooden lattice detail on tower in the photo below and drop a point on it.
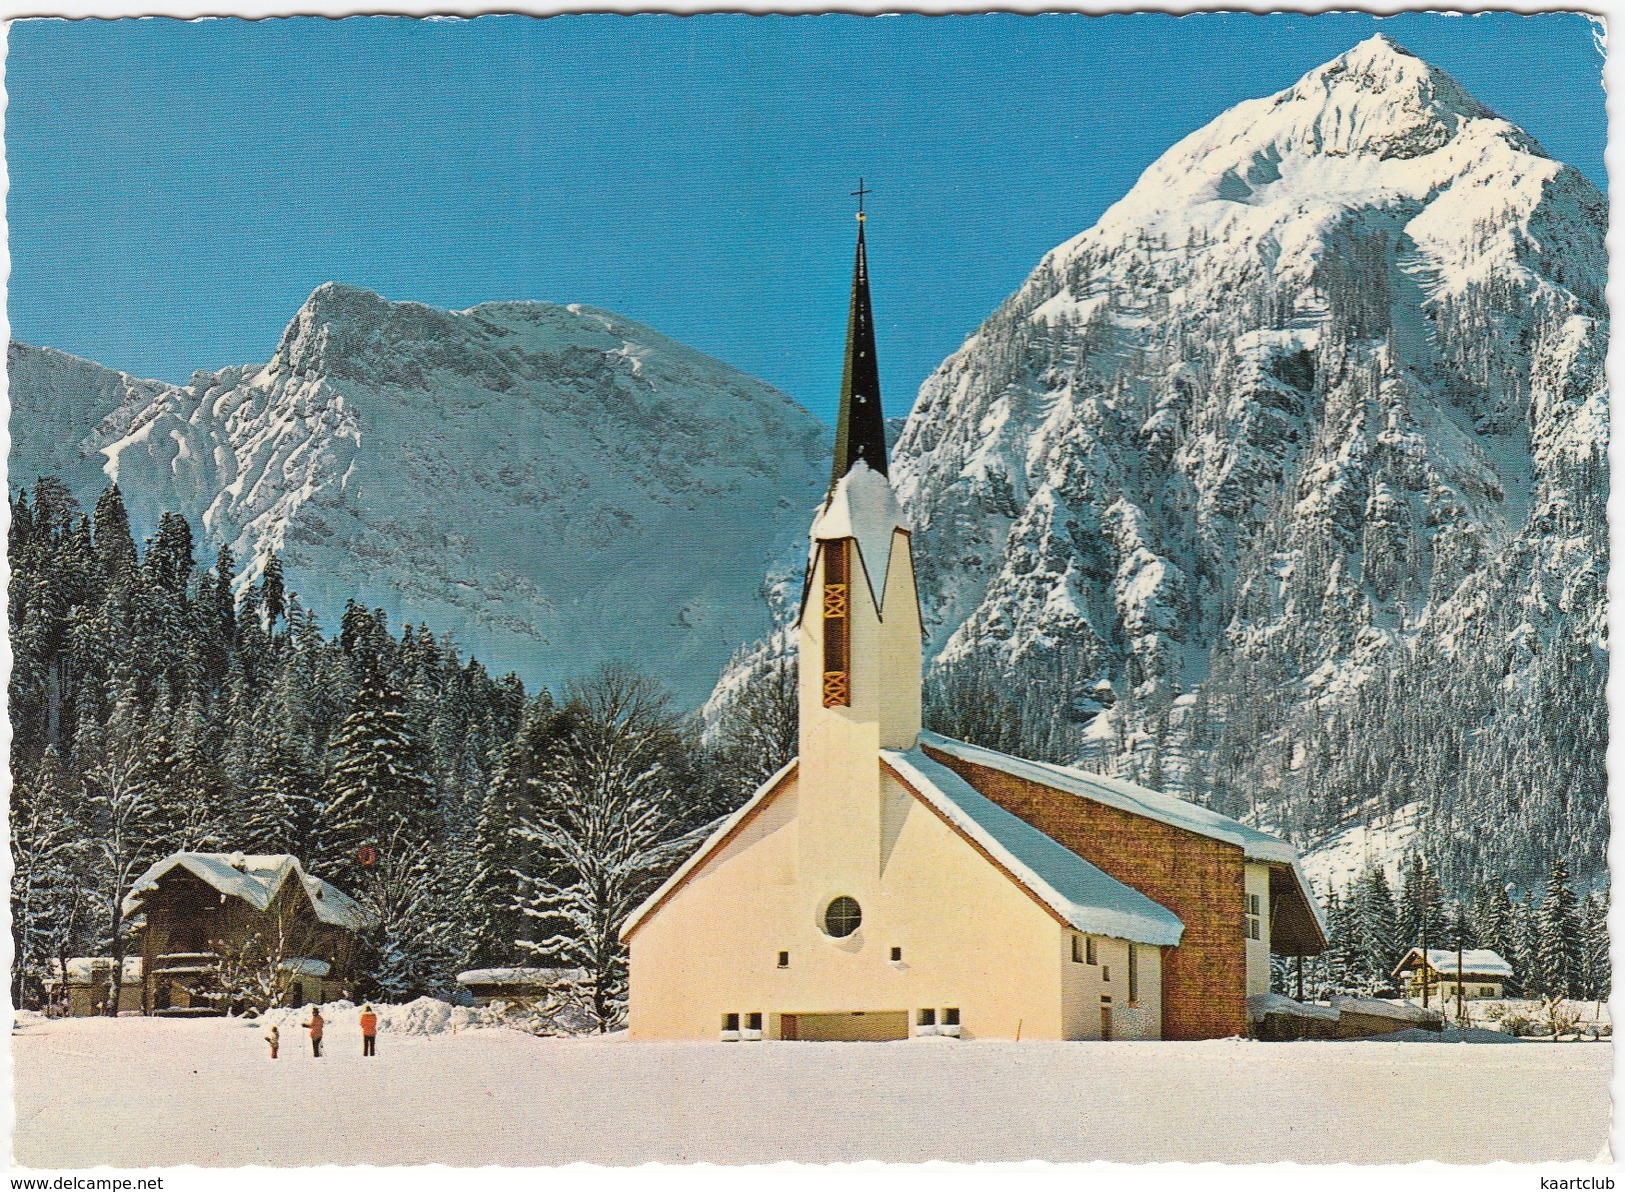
(837, 625)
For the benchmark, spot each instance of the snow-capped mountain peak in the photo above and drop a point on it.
(1266, 437)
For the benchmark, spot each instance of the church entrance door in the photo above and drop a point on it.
(857, 1026)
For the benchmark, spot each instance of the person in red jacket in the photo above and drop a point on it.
(369, 1031)
(315, 1024)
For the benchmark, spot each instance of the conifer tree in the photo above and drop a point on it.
(120, 769)
(280, 807)
(115, 547)
(273, 591)
(1595, 967)
(1558, 946)
(378, 791)
(1376, 928)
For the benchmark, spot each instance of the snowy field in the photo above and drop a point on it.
(140, 1092)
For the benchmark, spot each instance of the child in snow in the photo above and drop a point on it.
(274, 1039)
(369, 1031)
(315, 1024)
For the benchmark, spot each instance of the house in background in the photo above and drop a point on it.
(517, 986)
(891, 881)
(205, 912)
(1481, 973)
(88, 985)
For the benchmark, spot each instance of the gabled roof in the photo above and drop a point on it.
(1125, 796)
(1142, 801)
(256, 879)
(1081, 895)
(1074, 890)
(1475, 962)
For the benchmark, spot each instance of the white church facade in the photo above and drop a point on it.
(891, 882)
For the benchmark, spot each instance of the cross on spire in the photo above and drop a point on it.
(860, 192)
(860, 427)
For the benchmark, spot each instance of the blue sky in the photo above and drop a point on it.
(177, 189)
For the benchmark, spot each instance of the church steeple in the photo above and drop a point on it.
(860, 427)
(860, 615)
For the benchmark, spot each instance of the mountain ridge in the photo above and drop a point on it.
(528, 478)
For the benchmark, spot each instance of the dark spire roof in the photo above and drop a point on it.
(860, 427)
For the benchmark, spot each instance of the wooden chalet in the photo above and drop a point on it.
(210, 917)
(1471, 973)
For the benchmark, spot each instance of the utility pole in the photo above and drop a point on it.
(1460, 980)
(1427, 967)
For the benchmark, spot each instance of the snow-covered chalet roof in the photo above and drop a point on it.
(862, 507)
(1086, 897)
(85, 969)
(1475, 962)
(256, 879)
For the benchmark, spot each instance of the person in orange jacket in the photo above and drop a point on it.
(369, 1031)
(315, 1025)
(274, 1039)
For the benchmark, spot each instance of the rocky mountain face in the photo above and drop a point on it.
(1283, 484)
(1283, 487)
(549, 486)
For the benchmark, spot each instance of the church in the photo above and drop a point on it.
(891, 882)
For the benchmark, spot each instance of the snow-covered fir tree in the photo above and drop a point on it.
(1559, 947)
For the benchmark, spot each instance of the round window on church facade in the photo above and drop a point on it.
(842, 917)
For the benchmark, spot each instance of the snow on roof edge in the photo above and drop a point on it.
(1474, 962)
(1256, 845)
(256, 885)
(1125, 796)
(1022, 849)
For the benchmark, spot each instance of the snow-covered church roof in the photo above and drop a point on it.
(1086, 897)
(256, 879)
(1139, 800)
(1079, 893)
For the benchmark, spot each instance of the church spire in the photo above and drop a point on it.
(860, 427)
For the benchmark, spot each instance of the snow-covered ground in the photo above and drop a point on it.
(159, 1093)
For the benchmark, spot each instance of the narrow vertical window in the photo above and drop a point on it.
(1252, 919)
(1089, 950)
(1133, 974)
(1077, 950)
(837, 625)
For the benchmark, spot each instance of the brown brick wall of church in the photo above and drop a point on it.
(1204, 979)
